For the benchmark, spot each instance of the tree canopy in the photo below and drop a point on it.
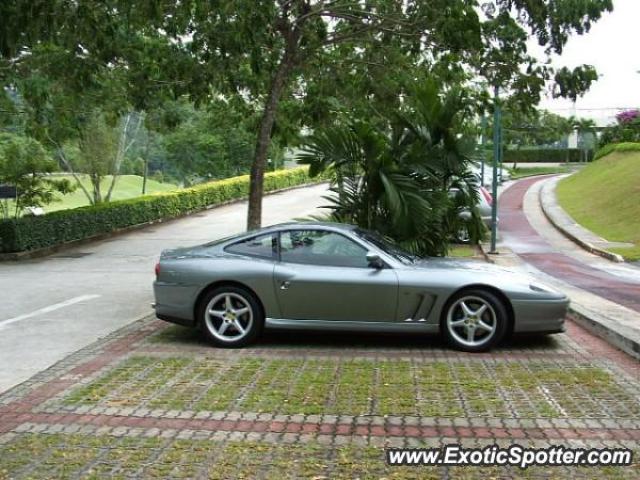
(282, 58)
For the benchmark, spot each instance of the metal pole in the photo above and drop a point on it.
(501, 152)
(496, 158)
(483, 141)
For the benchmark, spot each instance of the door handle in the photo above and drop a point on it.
(285, 285)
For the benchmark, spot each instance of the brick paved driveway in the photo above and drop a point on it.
(153, 401)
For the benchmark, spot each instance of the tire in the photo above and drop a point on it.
(462, 235)
(241, 328)
(477, 310)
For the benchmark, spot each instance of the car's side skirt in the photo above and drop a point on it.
(337, 325)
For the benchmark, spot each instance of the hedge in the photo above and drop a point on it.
(31, 233)
(617, 147)
(542, 155)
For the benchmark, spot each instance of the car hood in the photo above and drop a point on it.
(508, 280)
(480, 270)
(459, 264)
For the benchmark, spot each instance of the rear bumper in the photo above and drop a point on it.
(177, 320)
(540, 316)
(174, 303)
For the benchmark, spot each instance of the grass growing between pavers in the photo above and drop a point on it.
(362, 387)
(48, 456)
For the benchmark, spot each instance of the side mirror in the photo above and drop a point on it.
(374, 261)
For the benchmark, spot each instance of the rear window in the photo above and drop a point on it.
(261, 246)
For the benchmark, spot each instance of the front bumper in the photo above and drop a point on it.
(540, 316)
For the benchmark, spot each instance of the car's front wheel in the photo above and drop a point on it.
(474, 321)
(230, 316)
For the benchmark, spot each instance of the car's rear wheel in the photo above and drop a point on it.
(474, 321)
(230, 316)
(463, 235)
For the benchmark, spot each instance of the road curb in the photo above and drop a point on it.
(558, 217)
(608, 329)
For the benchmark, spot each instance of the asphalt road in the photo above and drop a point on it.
(53, 306)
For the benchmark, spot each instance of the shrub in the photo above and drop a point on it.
(541, 155)
(627, 129)
(617, 147)
(30, 233)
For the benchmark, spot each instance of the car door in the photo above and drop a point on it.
(324, 275)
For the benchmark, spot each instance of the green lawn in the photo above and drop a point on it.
(605, 198)
(530, 171)
(464, 251)
(127, 186)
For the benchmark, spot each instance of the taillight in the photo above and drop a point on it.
(487, 195)
(157, 269)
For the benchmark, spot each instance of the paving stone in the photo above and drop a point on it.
(520, 410)
(151, 432)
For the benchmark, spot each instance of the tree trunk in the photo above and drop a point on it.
(123, 148)
(256, 185)
(69, 167)
(97, 195)
(145, 172)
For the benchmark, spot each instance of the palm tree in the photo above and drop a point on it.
(583, 126)
(395, 176)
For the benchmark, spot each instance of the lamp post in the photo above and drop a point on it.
(483, 140)
(497, 152)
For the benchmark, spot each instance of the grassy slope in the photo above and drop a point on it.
(127, 186)
(605, 198)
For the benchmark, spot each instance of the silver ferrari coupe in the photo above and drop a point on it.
(326, 276)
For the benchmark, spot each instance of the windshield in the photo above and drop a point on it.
(386, 246)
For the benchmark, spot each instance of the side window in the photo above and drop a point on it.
(262, 246)
(320, 247)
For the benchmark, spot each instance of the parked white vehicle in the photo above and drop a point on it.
(485, 202)
(487, 179)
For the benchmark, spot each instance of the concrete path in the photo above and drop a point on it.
(580, 269)
(55, 305)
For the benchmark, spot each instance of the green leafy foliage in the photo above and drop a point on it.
(275, 56)
(396, 174)
(542, 155)
(209, 144)
(617, 147)
(30, 233)
(625, 130)
(24, 164)
(96, 152)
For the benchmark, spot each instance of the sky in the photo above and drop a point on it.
(612, 47)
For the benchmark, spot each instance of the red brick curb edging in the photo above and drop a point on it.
(332, 429)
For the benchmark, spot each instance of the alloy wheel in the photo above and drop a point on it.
(229, 317)
(472, 321)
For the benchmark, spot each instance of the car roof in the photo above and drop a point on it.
(307, 224)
